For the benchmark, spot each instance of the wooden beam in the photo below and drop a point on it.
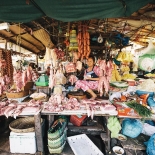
(15, 35)
(10, 39)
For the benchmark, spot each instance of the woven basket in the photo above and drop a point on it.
(57, 150)
(57, 129)
(44, 37)
(23, 125)
(17, 95)
(58, 142)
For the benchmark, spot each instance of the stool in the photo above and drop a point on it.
(43, 89)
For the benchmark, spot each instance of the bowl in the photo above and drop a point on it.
(118, 150)
(122, 137)
(131, 82)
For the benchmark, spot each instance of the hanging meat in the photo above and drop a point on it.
(83, 42)
(9, 66)
(3, 63)
(105, 74)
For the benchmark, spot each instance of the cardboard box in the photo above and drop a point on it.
(23, 142)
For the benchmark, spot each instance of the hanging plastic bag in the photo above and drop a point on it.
(147, 60)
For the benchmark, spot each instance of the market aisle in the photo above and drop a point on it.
(5, 145)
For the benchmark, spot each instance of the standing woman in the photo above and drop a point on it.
(90, 81)
(34, 73)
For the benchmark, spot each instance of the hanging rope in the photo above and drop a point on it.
(19, 40)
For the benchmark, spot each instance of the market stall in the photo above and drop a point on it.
(89, 69)
(127, 98)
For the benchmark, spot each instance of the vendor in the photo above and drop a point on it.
(80, 72)
(48, 71)
(90, 81)
(34, 73)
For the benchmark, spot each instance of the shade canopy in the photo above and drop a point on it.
(67, 10)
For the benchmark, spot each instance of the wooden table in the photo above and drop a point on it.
(50, 117)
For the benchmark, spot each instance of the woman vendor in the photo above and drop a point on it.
(90, 81)
(34, 73)
(81, 68)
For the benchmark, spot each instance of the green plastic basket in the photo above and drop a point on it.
(42, 83)
(57, 129)
(57, 150)
(58, 142)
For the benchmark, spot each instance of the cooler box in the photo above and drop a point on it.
(77, 120)
(23, 142)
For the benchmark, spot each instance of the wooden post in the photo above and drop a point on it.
(50, 120)
(38, 132)
(37, 60)
(108, 134)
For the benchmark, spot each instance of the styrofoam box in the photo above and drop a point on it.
(82, 145)
(23, 142)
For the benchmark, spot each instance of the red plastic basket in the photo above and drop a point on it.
(77, 120)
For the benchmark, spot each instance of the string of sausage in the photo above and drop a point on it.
(83, 42)
(2, 57)
(9, 66)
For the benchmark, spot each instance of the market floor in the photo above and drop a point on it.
(5, 145)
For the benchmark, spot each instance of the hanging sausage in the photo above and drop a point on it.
(83, 42)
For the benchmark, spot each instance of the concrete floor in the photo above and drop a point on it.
(5, 145)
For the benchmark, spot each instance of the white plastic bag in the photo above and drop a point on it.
(148, 129)
(147, 60)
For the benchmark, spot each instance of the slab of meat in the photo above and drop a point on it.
(70, 67)
(18, 110)
(29, 74)
(2, 110)
(52, 78)
(3, 104)
(34, 103)
(96, 70)
(54, 57)
(106, 108)
(30, 110)
(72, 79)
(18, 80)
(103, 65)
(72, 104)
(7, 110)
(24, 77)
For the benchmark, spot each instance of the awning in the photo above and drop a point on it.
(67, 10)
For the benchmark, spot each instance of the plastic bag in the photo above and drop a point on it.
(148, 129)
(60, 78)
(150, 150)
(132, 127)
(147, 60)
